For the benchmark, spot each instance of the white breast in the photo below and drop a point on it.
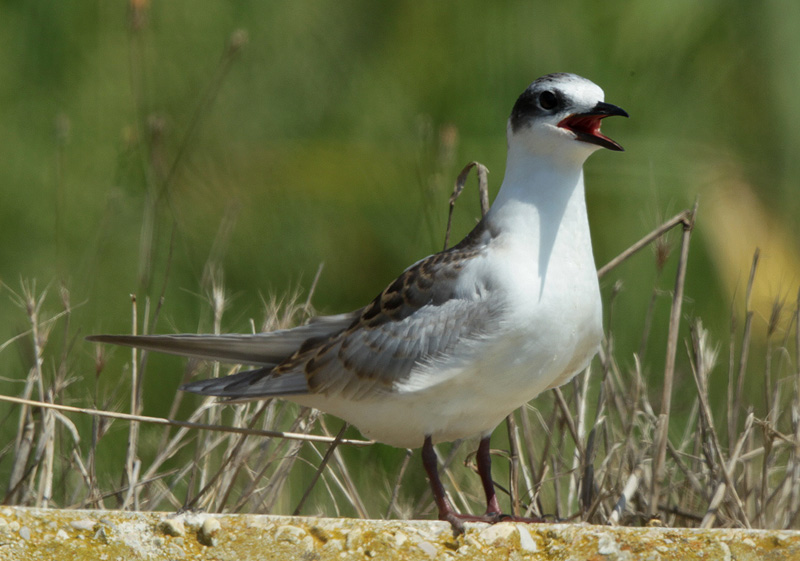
(538, 272)
(550, 329)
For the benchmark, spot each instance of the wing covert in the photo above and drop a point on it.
(421, 317)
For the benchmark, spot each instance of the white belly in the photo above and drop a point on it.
(496, 376)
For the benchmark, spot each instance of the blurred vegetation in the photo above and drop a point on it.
(147, 146)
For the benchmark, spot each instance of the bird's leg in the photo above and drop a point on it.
(493, 512)
(484, 459)
(446, 510)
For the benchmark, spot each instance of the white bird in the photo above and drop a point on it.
(463, 337)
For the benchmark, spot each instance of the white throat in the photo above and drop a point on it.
(542, 204)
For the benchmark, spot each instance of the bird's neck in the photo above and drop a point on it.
(539, 190)
(541, 213)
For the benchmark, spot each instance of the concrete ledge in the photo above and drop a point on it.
(28, 533)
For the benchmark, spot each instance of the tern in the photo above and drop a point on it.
(463, 337)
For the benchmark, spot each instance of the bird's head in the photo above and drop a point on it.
(560, 114)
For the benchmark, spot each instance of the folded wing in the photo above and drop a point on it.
(420, 318)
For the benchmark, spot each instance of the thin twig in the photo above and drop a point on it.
(396, 487)
(662, 425)
(737, 403)
(483, 192)
(686, 217)
(320, 469)
(133, 429)
(567, 416)
(347, 484)
(183, 424)
(627, 492)
(727, 484)
(513, 469)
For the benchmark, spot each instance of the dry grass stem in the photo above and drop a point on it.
(183, 424)
(685, 219)
(662, 426)
(461, 181)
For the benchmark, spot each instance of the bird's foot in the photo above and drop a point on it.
(457, 520)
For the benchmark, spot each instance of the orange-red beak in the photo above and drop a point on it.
(586, 126)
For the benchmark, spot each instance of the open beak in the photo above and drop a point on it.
(586, 126)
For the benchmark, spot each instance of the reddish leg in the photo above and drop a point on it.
(446, 511)
(493, 512)
(484, 459)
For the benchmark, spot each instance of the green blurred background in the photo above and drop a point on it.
(138, 145)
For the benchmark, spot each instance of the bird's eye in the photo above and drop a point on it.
(548, 100)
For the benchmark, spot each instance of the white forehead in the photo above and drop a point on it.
(577, 88)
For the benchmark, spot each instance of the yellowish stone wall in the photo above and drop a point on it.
(37, 534)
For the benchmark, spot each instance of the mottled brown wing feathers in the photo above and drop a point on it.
(418, 317)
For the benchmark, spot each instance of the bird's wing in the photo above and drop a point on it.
(262, 349)
(418, 319)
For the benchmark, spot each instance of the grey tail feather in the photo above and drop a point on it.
(257, 349)
(266, 349)
(251, 384)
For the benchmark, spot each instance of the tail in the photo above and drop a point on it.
(261, 349)
(252, 384)
(267, 349)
